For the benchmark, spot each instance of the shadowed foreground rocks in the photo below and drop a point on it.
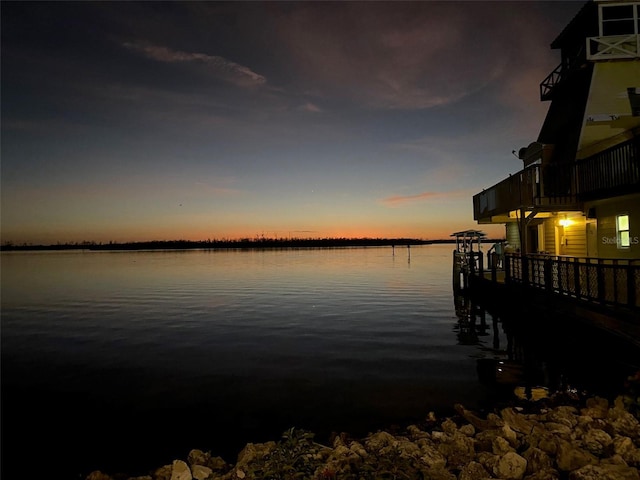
(592, 441)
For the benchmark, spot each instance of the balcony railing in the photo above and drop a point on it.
(548, 84)
(613, 47)
(535, 186)
(613, 282)
(615, 171)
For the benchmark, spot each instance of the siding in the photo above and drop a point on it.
(550, 236)
(513, 235)
(575, 239)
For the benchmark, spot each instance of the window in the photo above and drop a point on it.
(619, 19)
(622, 229)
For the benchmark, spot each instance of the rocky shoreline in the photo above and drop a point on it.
(547, 440)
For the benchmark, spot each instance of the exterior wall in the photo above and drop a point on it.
(606, 212)
(550, 236)
(608, 96)
(575, 238)
(513, 235)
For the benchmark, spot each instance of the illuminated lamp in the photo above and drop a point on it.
(564, 222)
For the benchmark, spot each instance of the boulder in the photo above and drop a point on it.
(570, 457)
(597, 441)
(98, 475)
(537, 460)
(163, 473)
(565, 415)
(468, 430)
(473, 471)
(596, 407)
(517, 421)
(200, 472)
(623, 422)
(548, 474)
(511, 466)
(605, 472)
(198, 457)
(379, 440)
(458, 450)
(180, 471)
(431, 457)
(254, 451)
(500, 446)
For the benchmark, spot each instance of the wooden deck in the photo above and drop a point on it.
(503, 297)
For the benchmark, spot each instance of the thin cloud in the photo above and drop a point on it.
(407, 58)
(221, 67)
(310, 107)
(399, 200)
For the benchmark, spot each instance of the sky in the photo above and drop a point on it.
(134, 121)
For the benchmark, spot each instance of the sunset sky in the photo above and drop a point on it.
(160, 120)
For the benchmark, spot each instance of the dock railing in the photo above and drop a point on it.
(611, 282)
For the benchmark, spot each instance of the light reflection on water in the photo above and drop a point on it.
(165, 351)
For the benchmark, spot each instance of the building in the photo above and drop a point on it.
(578, 194)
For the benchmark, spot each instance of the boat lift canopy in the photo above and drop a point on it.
(466, 239)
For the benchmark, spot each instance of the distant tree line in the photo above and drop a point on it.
(242, 243)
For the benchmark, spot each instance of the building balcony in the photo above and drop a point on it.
(555, 187)
(549, 187)
(613, 47)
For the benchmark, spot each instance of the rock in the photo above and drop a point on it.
(143, 477)
(359, 450)
(200, 472)
(415, 433)
(406, 448)
(516, 421)
(217, 464)
(596, 407)
(473, 471)
(605, 472)
(549, 474)
(432, 458)
(379, 440)
(198, 457)
(254, 451)
(597, 441)
(537, 460)
(439, 474)
(449, 426)
(180, 471)
(458, 451)
(163, 473)
(488, 460)
(468, 430)
(571, 458)
(559, 429)
(614, 460)
(500, 446)
(98, 475)
(545, 441)
(511, 466)
(623, 446)
(492, 420)
(484, 440)
(509, 434)
(564, 414)
(624, 423)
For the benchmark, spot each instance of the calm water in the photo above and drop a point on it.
(126, 360)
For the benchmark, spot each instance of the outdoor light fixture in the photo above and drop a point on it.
(564, 222)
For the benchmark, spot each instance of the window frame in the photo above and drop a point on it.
(635, 9)
(620, 231)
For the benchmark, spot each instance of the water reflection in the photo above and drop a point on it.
(472, 320)
(528, 356)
